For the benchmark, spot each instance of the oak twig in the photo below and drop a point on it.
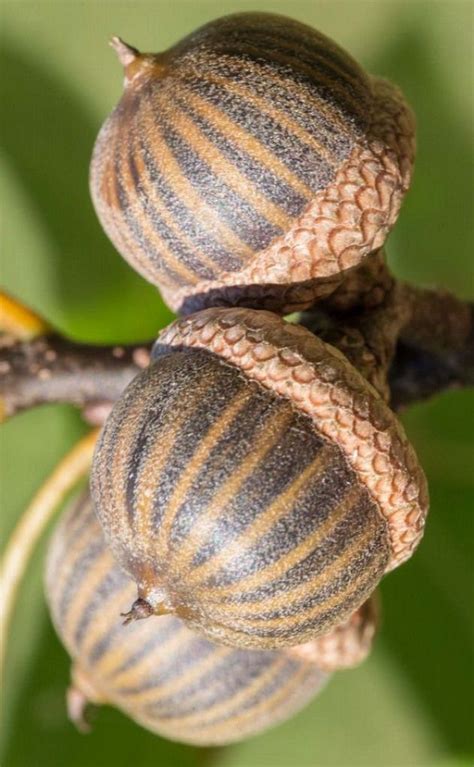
(412, 345)
(54, 369)
(420, 371)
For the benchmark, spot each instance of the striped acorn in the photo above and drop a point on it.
(252, 163)
(253, 483)
(158, 672)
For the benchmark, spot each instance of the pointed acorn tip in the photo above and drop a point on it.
(140, 609)
(126, 53)
(77, 705)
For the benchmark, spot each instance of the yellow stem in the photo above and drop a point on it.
(19, 321)
(33, 522)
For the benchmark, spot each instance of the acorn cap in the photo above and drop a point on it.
(253, 163)
(347, 645)
(293, 363)
(343, 224)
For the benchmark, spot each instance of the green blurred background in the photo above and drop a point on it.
(411, 703)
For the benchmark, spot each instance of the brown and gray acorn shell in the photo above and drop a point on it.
(168, 679)
(250, 164)
(233, 508)
(225, 496)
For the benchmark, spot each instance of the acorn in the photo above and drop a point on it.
(159, 673)
(253, 483)
(253, 163)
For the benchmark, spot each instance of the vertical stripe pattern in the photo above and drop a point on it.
(161, 674)
(228, 507)
(212, 155)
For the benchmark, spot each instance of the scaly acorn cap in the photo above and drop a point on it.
(253, 483)
(252, 163)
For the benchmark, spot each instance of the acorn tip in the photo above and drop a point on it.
(126, 53)
(77, 705)
(139, 610)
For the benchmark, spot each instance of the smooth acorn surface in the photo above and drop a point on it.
(162, 675)
(253, 483)
(252, 163)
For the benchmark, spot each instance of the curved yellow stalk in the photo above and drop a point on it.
(19, 321)
(32, 523)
